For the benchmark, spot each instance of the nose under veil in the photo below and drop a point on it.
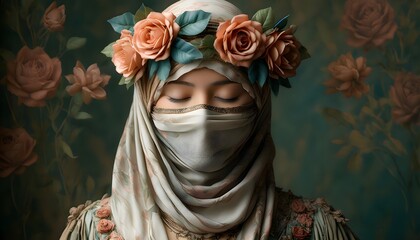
(147, 186)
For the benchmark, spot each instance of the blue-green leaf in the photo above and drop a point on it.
(284, 82)
(265, 17)
(281, 23)
(258, 72)
(193, 22)
(152, 68)
(164, 69)
(142, 13)
(184, 52)
(124, 21)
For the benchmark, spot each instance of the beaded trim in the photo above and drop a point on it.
(182, 233)
(239, 109)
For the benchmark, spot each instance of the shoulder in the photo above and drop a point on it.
(298, 218)
(91, 220)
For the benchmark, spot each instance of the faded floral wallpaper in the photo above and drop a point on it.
(348, 130)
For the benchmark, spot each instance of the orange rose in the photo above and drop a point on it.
(406, 97)
(104, 226)
(240, 41)
(54, 17)
(348, 76)
(282, 56)
(126, 60)
(16, 151)
(369, 22)
(153, 36)
(300, 233)
(33, 76)
(298, 205)
(90, 82)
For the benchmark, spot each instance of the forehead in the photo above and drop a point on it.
(202, 77)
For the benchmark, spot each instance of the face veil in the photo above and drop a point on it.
(150, 184)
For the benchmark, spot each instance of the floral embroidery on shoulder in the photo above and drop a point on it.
(103, 219)
(302, 217)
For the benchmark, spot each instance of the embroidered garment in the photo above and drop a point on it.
(294, 218)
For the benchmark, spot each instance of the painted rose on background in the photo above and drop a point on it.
(33, 77)
(405, 93)
(16, 151)
(54, 17)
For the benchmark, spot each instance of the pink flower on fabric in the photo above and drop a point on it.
(240, 41)
(16, 151)
(305, 219)
(114, 236)
(126, 59)
(300, 233)
(54, 17)
(33, 76)
(104, 226)
(153, 36)
(298, 205)
(282, 55)
(103, 212)
(90, 82)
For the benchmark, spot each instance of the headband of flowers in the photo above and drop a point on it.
(150, 40)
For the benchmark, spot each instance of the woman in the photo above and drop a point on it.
(195, 159)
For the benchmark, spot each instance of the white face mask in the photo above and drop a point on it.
(204, 137)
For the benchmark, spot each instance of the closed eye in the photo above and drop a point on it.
(178, 100)
(226, 99)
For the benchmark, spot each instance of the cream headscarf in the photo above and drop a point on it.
(147, 183)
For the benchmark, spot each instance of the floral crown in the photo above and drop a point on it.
(150, 40)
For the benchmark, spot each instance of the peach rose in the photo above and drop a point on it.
(405, 93)
(54, 17)
(153, 36)
(126, 59)
(369, 22)
(90, 82)
(282, 55)
(103, 212)
(33, 76)
(348, 76)
(240, 41)
(298, 205)
(16, 151)
(104, 226)
(115, 236)
(300, 233)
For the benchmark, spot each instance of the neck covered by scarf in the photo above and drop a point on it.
(202, 185)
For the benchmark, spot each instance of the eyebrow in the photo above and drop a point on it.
(218, 83)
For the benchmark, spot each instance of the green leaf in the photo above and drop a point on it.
(164, 69)
(75, 43)
(265, 17)
(338, 116)
(337, 141)
(344, 151)
(355, 162)
(142, 13)
(7, 55)
(193, 22)
(124, 21)
(82, 116)
(274, 85)
(258, 72)
(304, 54)
(66, 148)
(395, 146)
(184, 52)
(129, 84)
(359, 141)
(108, 50)
(205, 45)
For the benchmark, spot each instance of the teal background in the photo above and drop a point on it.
(305, 161)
